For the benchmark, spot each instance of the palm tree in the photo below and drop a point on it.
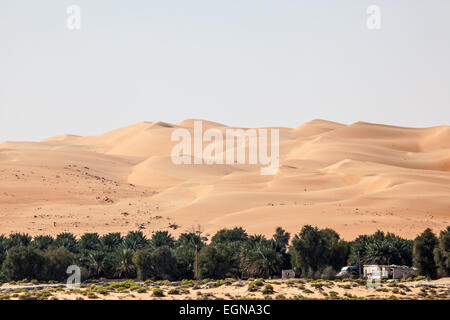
(281, 238)
(95, 263)
(42, 242)
(162, 238)
(67, 240)
(18, 240)
(111, 241)
(257, 238)
(123, 263)
(135, 240)
(89, 241)
(3, 243)
(261, 259)
(379, 253)
(189, 239)
(187, 246)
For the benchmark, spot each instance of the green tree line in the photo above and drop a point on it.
(312, 253)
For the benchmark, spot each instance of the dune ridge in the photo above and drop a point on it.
(354, 178)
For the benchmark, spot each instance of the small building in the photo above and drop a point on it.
(287, 274)
(387, 271)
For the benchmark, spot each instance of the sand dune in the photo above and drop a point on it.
(354, 178)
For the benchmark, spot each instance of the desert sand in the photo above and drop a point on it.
(231, 289)
(354, 178)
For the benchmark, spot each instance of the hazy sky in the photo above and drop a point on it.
(240, 62)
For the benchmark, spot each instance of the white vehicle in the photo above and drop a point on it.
(348, 272)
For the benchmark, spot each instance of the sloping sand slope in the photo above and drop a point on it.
(355, 179)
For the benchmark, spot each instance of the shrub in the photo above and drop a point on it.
(92, 295)
(143, 261)
(316, 249)
(268, 289)
(214, 261)
(166, 283)
(158, 292)
(100, 290)
(334, 294)
(44, 295)
(442, 253)
(135, 287)
(57, 261)
(361, 282)
(22, 262)
(122, 285)
(164, 263)
(229, 235)
(423, 253)
(252, 287)
(259, 282)
(328, 273)
(219, 283)
(173, 291)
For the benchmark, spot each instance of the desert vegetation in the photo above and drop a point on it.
(231, 253)
(230, 289)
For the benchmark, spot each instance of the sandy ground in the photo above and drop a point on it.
(232, 289)
(353, 178)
